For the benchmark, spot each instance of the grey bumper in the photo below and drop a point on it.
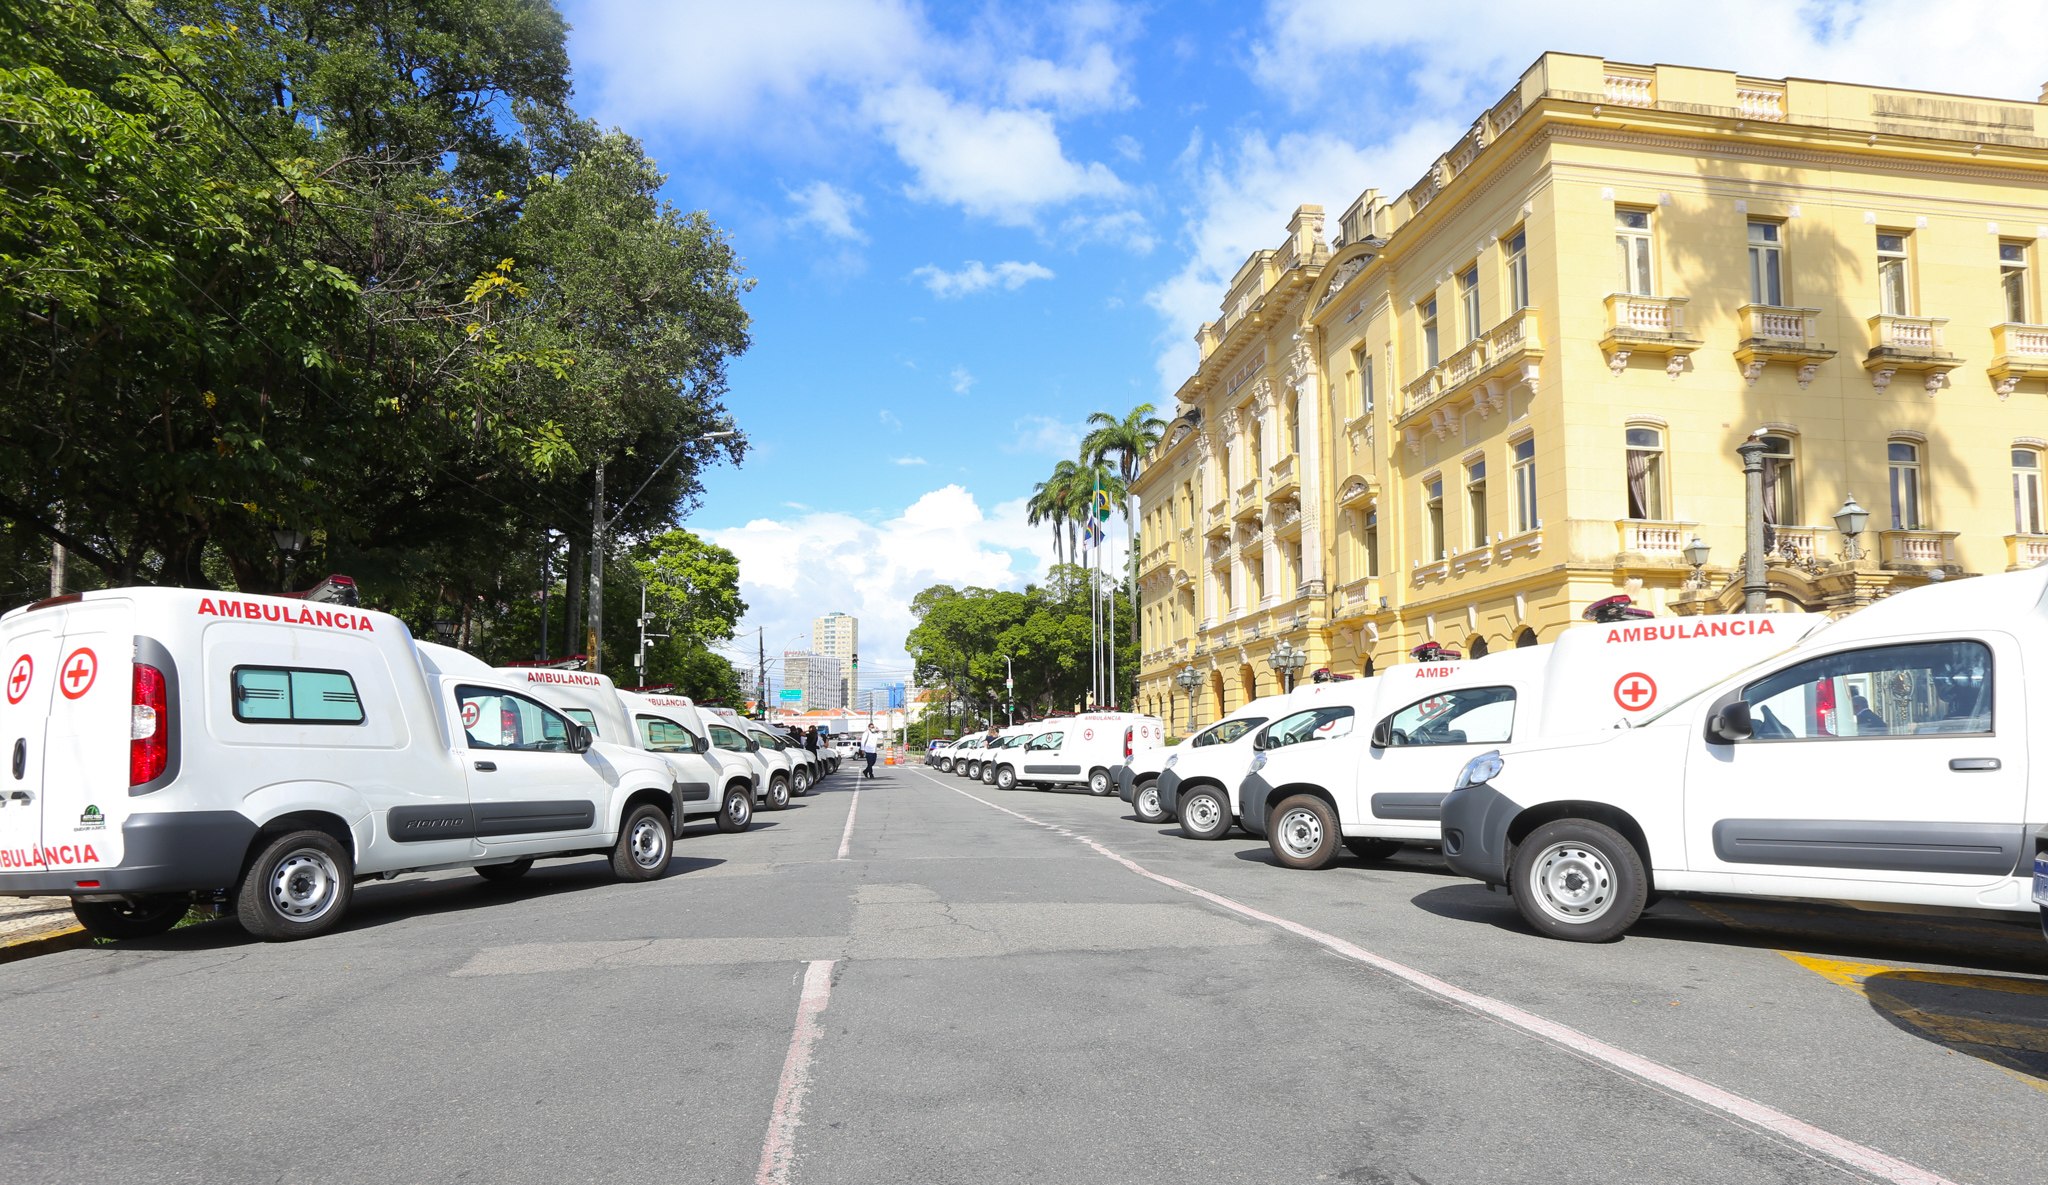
(1254, 804)
(1169, 792)
(164, 853)
(1125, 781)
(1475, 822)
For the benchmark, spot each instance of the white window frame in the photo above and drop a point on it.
(1895, 299)
(1468, 298)
(1905, 481)
(2027, 516)
(1637, 247)
(1767, 263)
(1524, 470)
(1516, 246)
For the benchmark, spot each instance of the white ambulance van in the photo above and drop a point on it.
(802, 766)
(1888, 759)
(1198, 785)
(1078, 751)
(278, 752)
(948, 755)
(730, 734)
(1370, 772)
(1137, 778)
(707, 781)
(982, 766)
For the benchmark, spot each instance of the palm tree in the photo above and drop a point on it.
(1131, 439)
(1051, 502)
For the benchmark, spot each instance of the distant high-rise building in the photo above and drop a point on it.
(837, 635)
(816, 675)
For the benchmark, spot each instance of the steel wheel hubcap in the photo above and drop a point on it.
(1202, 811)
(648, 843)
(1573, 882)
(1148, 801)
(304, 884)
(1301, 833)
(737, 808)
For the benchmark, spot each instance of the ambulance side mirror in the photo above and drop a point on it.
(703, 744)
(1383, 733)
(753, 746)
(579, 740)
(1731, 724)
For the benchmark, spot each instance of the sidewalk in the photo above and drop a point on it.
(31, 926)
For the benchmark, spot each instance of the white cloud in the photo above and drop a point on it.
(977, 276)
(1242, 197)
(830, 209)
(1092, 83)
(962, 380)
(1044, 434)
(1468, 51)
(907, 460)
(1128, 148)
(799, 568)
(1000, 163)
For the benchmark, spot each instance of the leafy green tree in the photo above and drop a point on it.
(692, 586)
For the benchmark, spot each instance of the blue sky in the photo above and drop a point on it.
(972, 226)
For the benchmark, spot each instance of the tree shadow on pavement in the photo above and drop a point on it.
(1995, 1018)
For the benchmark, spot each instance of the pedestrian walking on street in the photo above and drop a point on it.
(870, 744)
(811, 739)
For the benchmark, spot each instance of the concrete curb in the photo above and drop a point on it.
(45, 944)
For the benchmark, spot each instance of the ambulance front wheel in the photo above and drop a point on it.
(1100, 785)
(644, 846)
(738, 812)
(1204, 815)
(300, 885)
(1305, 832)
(1145, 802)
(1579, 880)
(778, 793)
(144, 917)
(1006, 778)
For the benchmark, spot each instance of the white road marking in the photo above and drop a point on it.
(778, 1153)
(846, 837)
(1591, 1048)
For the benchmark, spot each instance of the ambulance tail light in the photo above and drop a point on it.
(1127, 744)
(149, 741)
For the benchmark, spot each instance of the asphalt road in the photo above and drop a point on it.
(993, 997)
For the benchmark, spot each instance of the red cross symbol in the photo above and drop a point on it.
(18, 679)
(470, 715)
(80, 668)
(1635, 691)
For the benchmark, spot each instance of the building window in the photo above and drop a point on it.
(2012, 280)
(1433, 502)
(1518, 272)
(1525, 485)
(1365, 385)
(1294, 423)
(1371, 519)
(1781, 489)
(1632, 239)
(1891, 276)
(1645, 473)
(1766, 264)
(1468, 296)
(1905, 472)
(1475, 501)
(2026, 491)
(1428, 312)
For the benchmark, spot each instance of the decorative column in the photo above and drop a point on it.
(1304, 380)
(1266, 404)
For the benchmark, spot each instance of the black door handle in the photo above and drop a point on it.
(1972, 764)
(20, 757)
(489, 767)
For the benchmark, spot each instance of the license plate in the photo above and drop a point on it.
(2041, 880)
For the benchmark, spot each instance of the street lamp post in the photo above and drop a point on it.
(1755, 585)
(1287, 662)
(1187, 680)
(289, 544)
(1010, 688)
(599, 525)
(1850, 521)
(1695, 553)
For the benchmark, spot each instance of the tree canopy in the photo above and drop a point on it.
(962, 636)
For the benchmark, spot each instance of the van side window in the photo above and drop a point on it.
(1468, 716)
(665, 736)
(1229, 731)
(1921, 689)
(1316, 724)
(727, 739)
(585, 717)
(1050, 740)
(494, 719)
(285, 695)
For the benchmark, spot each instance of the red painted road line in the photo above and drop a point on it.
(778, 1153)
(1593, 1049)
(846, 837)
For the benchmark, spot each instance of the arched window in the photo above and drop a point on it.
(1293, 424)
(1646, 473)
(1526, 638)
(1903, 457)
(1781, 481)
(1477, 647)
(2026, 491)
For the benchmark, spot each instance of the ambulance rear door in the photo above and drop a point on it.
(31, 654)
(85, 796)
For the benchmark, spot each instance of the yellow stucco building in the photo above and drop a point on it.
(1465, 413)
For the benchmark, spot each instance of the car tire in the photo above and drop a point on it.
(299, 886)
(1304, 832)
(1006, 778)
(1145, 802)
(1367, 848)
(1204, 814)
(737, 812)
(145, 917)
(988, 774)
(1579, 880)
(645, 846)
(1100, 785)
(504, 872)
(800, 783)
(778, 793)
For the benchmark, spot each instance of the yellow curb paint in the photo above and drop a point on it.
(45, 944)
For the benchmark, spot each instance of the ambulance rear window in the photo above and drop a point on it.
(286, 695)
(583, 716)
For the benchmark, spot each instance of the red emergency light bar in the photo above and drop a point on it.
(1434, 652)
(1613, 609)
(332, 590)
(658, 687)
(574, 662)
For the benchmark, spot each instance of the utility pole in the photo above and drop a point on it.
(547, 545)
(1755, 584)
(646, 618)
(761, 672)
